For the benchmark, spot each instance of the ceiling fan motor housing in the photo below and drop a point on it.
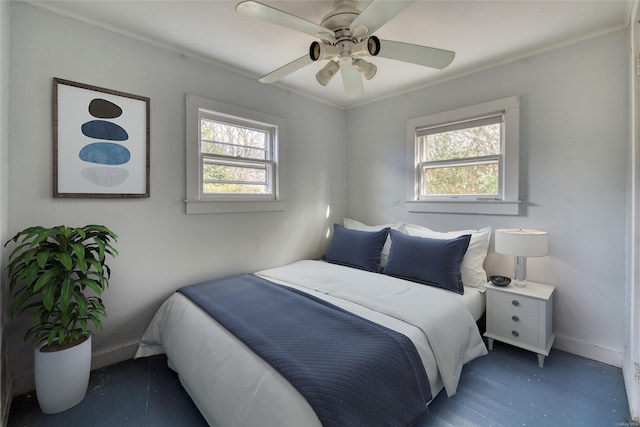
(342, 16)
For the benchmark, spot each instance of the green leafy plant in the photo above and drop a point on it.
(61, 273)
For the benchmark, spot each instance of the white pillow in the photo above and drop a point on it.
(356, 225)
(472, 267)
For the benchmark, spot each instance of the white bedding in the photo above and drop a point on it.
(475, 301)
(231, 386)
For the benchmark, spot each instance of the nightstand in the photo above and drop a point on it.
(522, 317)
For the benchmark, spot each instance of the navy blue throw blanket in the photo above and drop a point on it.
(353, 372)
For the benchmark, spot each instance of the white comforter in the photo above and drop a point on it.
(233, 387)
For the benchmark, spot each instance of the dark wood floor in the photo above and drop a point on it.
(505, 388)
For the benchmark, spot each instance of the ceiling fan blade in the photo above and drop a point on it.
(258, 10)
(416, 54)
(351, 80)
(285, 70)
(378, 13)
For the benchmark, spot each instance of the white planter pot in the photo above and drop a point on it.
(62, 377)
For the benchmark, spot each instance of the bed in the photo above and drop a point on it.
(232, 386)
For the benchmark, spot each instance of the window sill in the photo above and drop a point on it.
(492, 207)
(225, 206)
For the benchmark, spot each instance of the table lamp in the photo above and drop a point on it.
(521, 244)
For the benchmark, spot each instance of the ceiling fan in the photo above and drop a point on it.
(345, 37)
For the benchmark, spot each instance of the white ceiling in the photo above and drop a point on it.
(481, 32)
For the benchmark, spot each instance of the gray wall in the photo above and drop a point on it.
(4, 192)
(574, 136)
(161, 248)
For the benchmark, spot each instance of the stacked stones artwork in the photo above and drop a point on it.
(101, 142)
(106, 150)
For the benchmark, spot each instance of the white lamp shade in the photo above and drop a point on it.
(521, 242)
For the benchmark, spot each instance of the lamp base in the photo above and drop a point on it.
(520, 272)
(520, 283)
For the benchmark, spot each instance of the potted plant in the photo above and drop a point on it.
(58, 274)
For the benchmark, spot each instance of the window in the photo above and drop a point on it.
(233, 161)
(460, 159)
(236, 157)
(465, 160)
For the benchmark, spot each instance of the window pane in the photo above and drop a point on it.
(210, 188)
(224, 139)
(466, 179)
(220, 177)
(459, 144)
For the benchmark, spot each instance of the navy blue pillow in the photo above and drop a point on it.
(355, 248)
(434, 262)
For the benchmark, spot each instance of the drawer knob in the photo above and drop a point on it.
(515, 318)
(515, 333)
(515, 302)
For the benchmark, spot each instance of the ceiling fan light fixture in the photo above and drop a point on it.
(319, 51)
(327, 72)
(367, 69)
(367, 47)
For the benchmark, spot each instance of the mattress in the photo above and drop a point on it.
(232, 386)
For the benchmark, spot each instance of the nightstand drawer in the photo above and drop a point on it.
(515, 318)
(517, 333)
(515, 302)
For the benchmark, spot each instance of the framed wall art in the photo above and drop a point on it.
(100, 142)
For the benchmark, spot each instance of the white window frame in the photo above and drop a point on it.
(198, 202)
(506, 202)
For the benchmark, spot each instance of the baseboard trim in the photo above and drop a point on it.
(113, 355)
(631, 375)
(590, 351)
(6, 405)
(26, 383)
(22, 384)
